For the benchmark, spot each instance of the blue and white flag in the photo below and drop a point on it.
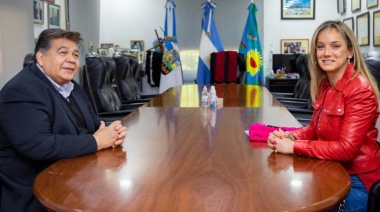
(210, 42)
(171, 74)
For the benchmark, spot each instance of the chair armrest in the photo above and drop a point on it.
(279, 94)
(294, 104)
(292, 99)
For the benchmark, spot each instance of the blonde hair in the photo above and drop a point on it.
(316, 72)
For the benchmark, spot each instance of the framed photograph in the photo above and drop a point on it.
(304, 9)
(103, 52)
(106, 45)
(341, 6)
(362, 29)
(137, 44)
(38, 11)
(122, 50)
(372, 3)
(355, 5)
(54, 14)
(376, 28)
(350, 23)
(294, 46)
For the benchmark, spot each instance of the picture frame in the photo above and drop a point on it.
(138, 54)
(341, 6)
(50, 1)
(294, 46)
(67, 15)
(355, 5)
(350, 23)
(103, 51)
(290, 11)
(137, 44)
(38, 11)
(54, 14)
(122, 50)
(106, 45)
(376, 28)
(372, 3)
(362, 29)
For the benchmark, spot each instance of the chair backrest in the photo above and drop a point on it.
(133, 74)
(373, 65)
(302, 87)
(224, 67)
(374, 197)
(28, 59)
(98, 79)
(122, 80)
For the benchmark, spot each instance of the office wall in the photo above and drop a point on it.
(122, 21)
(16, 36)
(363, 9)
(276, 29)
(17, 31)
(84, 18)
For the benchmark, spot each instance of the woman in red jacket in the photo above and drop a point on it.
(345, 102)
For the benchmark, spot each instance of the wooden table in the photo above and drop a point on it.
(233, 95)
(194, 159)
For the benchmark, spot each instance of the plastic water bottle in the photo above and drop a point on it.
(212, 97)
(204, 97)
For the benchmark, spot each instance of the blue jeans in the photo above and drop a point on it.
(357, 198)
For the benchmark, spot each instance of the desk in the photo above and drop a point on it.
(193, 159)
(283, 85)
(233, 95)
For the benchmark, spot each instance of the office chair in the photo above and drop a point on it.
(373, 65)
(127, 86)
(374, 197)
(299, 102)
(105, 100)
(301, 90)
(28, 59)
(227, 67)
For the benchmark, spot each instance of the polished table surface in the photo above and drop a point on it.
(194, 159)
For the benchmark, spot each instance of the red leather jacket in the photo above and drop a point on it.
(343, 125)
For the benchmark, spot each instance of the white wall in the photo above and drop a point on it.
(363, 9)
(38, 28)
(276, 29)
(16, 36)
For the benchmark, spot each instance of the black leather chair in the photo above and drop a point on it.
(374, 197)
(105, 99)
(126, 80)
(373, 65)
(299, 102)
(137, 73)
(28, 59)
(301, 91)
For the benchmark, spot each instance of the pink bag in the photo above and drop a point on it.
(260, 132)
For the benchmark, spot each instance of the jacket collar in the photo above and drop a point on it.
(348, 73)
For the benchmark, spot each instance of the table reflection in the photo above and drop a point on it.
(232, 95)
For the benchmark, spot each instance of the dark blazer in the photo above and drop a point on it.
(36, 129)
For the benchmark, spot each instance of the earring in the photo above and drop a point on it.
(348, 60)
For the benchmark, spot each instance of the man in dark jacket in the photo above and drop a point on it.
(46, 116)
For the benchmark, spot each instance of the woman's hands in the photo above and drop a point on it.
(110, 136)
(280, 141)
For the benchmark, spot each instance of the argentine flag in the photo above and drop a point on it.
(171, 74)
(210, 42)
